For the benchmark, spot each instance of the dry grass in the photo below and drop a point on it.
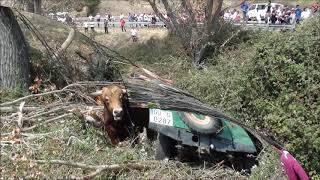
(71, 139)
(120, 6)
(117, 39)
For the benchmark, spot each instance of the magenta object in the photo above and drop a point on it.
(292, 167)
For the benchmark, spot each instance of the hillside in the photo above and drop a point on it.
(53, 133)
(267, 80)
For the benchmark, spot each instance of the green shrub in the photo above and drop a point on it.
(270, 83)
(281, 91)
(274, 85)
(91, 3)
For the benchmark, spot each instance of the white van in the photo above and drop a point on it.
(257, 12)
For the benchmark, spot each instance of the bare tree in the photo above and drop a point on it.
(37, 6)
(195, 22)
(33, 6)
(14, 64)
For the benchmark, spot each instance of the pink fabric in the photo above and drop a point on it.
(292, 167)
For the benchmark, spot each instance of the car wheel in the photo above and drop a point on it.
(201, 124)
(165, 147)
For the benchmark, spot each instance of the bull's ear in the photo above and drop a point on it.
(98, 93)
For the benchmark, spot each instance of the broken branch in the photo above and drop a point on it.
(47, 121)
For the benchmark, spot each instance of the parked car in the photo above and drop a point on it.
(257, 12)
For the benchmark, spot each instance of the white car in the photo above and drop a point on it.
(257, 12)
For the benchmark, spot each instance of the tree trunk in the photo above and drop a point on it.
(14, 64)
(194, 36)
(29, 7)
(37, 6)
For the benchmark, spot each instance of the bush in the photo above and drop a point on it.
(272, 84)
(281, 91)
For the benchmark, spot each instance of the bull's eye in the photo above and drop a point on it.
(106, 99)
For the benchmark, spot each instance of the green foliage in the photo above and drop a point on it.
(10, 94)
(269, 167)
(227, 39)
(91, 3)
(272, 84)
(281, 91)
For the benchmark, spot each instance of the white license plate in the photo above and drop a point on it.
(162, 117)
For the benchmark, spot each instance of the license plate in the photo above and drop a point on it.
(162, 117)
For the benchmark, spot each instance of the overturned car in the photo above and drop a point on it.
(193, 136)
(187, 128)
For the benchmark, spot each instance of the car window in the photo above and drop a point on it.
(261, 7)
(277, 6)
(252, 7)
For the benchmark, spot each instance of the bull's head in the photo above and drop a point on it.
(112, 97)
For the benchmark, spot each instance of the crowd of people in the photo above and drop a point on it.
(92, 22)
(273, 13)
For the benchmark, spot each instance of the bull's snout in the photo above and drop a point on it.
(117, 113)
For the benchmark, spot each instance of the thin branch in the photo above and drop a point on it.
(20, 114)
(10, 109)
(67, 42)
(41, 94)
(231, 37)
(47, 121)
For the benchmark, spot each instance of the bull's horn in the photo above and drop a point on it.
(124, 91)
(98, 93)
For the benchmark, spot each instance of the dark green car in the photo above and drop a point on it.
(189, 129)
(193, 135)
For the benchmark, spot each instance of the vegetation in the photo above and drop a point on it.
(270, 82)
(91, 3)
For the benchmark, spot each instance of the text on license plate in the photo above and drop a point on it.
(161, 117)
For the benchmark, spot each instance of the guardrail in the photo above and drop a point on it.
(127, 24)
(250, 24)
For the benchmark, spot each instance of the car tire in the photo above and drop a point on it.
(206, 125)
(165, 147)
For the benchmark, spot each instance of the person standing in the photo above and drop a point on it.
(273, 17)
(86, 26)
(244, 8)
(122, 25)
(105, 23)
(268, 13)
(98, 18)
(92, 26)
(90, 18)
(298, 13)
(130, 19)
(121, 16)
(134, 34)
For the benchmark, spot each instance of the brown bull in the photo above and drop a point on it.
(117, 118)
